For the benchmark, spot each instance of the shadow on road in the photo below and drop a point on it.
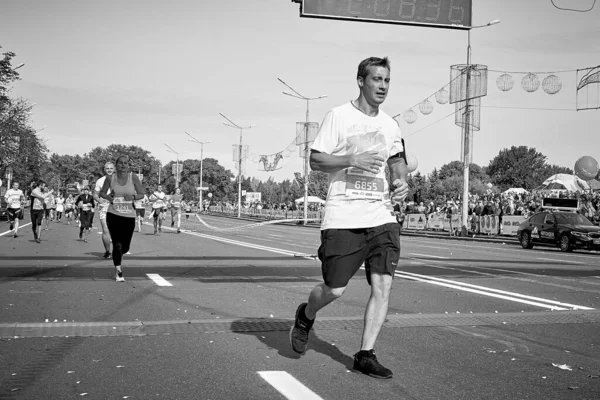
(275, 335)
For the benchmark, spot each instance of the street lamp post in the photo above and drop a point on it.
(193, 139)
(241, 128)
(306, 152)
(467, 136)
(176, 175)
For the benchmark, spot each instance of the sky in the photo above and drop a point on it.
(145, 72)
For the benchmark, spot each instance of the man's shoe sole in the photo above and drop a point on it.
(294, 350)
(358, 371)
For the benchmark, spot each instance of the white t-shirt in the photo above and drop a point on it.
(99, 183)
(13, 198)
(356, 198)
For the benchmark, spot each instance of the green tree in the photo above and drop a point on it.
(519, 166)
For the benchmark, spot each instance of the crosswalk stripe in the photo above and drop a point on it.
(159, 280)
(288, 386)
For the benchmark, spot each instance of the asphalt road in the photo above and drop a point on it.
(467, 320)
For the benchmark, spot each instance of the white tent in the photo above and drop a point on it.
(565, 182)
(311, 199)
(515, 191)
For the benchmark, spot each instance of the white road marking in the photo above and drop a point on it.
(159, 280)
(428, 255)
(288, 386)
(502, 294)
(20, 226)
(562, 261)
(251, 245)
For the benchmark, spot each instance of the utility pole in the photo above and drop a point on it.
(193, 139)
(467, 135)
(306, 143)
(240, 157)
(178, 170)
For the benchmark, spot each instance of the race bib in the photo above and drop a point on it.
(139, 204)
(15, 203)
(122, 206)
(158, 204)
(363, 185)
(86, 207)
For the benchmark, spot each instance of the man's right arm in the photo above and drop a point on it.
(369, 161)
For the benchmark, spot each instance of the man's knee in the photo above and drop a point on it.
(381, 284)
(335, 293)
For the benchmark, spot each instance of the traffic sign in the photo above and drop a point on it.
(199, 188)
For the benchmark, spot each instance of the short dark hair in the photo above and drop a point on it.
(40, 182)
(363, 67)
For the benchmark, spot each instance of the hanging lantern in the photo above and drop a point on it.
(530, 82)
(505, 82)
(551, 84)
(441, 96)
(410, 116)
(426, 107)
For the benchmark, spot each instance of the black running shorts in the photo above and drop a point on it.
(343, 251)
(140, 212)
(14, 213)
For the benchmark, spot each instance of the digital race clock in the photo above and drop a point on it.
(436, 13)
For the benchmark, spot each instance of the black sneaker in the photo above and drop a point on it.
(300, 330)
(15, 236)
(38, 240)
(178, 230)
(11, 226)
(106, 255)
(366, 362)
(172, 224)
(80, 235)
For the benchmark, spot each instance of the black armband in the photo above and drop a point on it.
(402, 154)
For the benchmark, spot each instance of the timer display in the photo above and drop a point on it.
(435, 13)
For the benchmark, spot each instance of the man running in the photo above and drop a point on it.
(16, 202)
(359, 225)
(69, 208)
(140, 211)
(175, 202)
(159, 204)
(37, 208)
(48, 206)
(86, 203)
(109, 169)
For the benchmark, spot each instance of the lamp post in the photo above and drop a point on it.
(241, 128)
(176, 175)
(467, 136)
(306, 152)
(193, 139)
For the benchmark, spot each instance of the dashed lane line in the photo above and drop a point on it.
(159, 280)
(288, 386)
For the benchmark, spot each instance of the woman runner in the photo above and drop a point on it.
(125, 187)
(69, 208)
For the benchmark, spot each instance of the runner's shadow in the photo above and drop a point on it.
(275, 334)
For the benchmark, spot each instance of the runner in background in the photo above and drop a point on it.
(86, 204)
(140, 211)
(60, 207)
(37, 208)
(159, 204)
(187, 206)
(175, 203)
(109, 169)
(69, 208)
(15, 200)
(48, 205)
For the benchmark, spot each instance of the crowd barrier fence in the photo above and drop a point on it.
(486, 224)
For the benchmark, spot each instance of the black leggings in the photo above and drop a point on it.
(121, 231)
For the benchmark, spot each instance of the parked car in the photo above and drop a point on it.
(566, 230)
